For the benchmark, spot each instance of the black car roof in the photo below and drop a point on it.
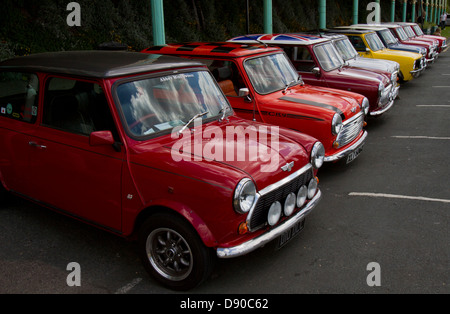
(98, 64)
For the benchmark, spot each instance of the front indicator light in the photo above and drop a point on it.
(243, 228)
(335, 144)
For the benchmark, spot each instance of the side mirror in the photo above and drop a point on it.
(367, 50)
(316, 71)
(244, 92)
(100, 138)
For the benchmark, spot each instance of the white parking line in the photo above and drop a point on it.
(440, 86)
(422, 137)
(419, 198)
(445, 106)
(129, 286)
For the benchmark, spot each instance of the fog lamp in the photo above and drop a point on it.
(289, 204)
(274, 213)
(301, 195)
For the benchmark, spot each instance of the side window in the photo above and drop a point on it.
(76, 106)
(358, 43)
(301, 58)
(19, 96)
(226, 74)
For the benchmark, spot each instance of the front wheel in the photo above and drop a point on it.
(173, 253)
(3, 195)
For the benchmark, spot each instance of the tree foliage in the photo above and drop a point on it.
(31, 26)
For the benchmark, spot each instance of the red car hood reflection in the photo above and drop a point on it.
(261, 156)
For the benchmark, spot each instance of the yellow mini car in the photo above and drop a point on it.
(369, 45)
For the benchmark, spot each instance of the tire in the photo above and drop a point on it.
(4, 197)
(173, 253)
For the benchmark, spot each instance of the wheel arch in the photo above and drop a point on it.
(197, 224)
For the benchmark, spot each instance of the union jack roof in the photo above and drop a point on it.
(212, 48)
(289, 39)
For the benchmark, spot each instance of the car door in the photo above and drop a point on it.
(67, 172)
(306, 65)
(19, 98)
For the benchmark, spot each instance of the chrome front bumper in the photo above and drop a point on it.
(416, 73)
(270, 235)
(348, 150)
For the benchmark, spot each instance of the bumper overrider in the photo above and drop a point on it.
(423, 64)
(392, 96)
(284, 226)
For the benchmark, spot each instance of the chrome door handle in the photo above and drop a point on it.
(34, 144)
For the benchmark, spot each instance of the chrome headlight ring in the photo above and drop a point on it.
(336, 124)
(365, 105)
(244, 196)
(317, 155)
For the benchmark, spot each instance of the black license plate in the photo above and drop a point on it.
(290, 234)
(352, 156)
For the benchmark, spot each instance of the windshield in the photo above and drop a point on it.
(388, 37)
(418, 30)
(409, 32)
(159, 104)
(328, 57)
(270, 73)
(401, 33)
(374, 42)
(345, 48)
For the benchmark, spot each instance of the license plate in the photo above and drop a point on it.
(352, 156)
(290, 234)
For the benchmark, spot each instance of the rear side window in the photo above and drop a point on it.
(76, 106)
(19, 96)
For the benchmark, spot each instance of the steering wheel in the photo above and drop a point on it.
(141, 120)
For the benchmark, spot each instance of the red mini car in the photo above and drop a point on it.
(399, 33)
(418, 34)
(262, 84)
(320, 63)
(148, 146)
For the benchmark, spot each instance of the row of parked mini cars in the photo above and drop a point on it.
(198, 150)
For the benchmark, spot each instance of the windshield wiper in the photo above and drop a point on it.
(290, 84)
(224, 112)
(198, 115)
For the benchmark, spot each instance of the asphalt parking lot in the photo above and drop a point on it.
(389, 208)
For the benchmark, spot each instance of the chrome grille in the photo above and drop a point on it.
(351, 128)
(258, 217)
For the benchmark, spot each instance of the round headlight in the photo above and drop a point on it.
(289, 204)
(301, 195)
(274, 213)
(365, 106)
(336, 124)
(312, 187)
(244, 196)
(317, 155)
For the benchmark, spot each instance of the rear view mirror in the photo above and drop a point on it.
(100, 138)
(244, 92)
(316, 71)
